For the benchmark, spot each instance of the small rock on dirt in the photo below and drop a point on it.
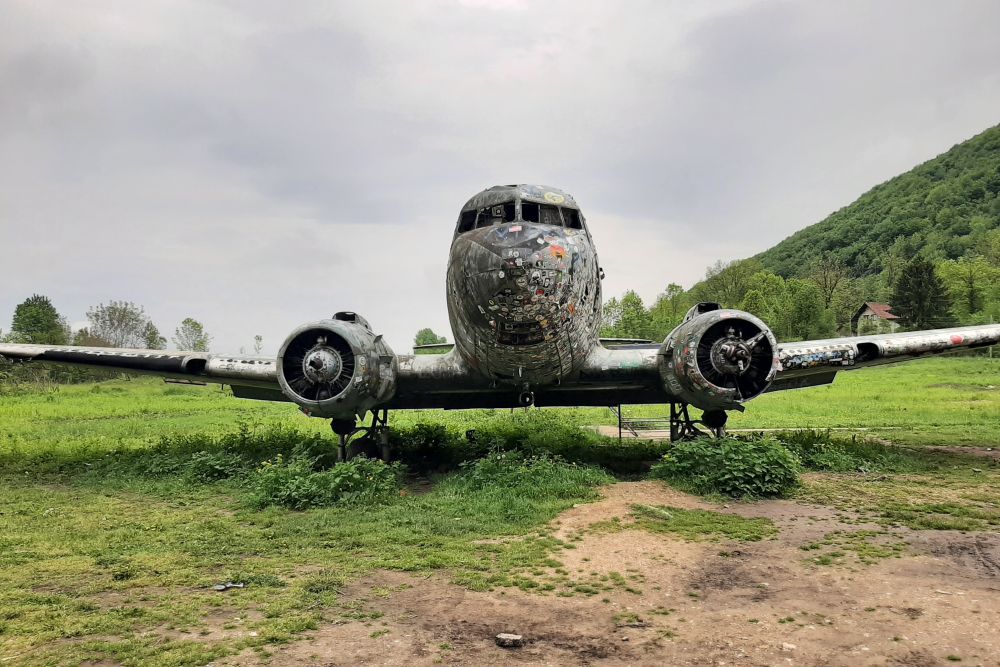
(508, 640)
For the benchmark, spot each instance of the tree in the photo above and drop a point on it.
(37, 321)
(668, 311)
(84, 338)
(920, 298)
(755, 304)
(427, 336)
(727, 282)
(153, 339)
(803, 315)
(634, 321)
(611, 315)
(828, 272)
(969, 281)
(258, 344)
(119, 324)
(191, 336)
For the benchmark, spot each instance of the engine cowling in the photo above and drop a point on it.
(717, 359)
(337, 368)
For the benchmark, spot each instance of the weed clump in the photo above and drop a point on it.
(533, 477)
(820, 450)
(438, 447)
(757, 468)
(296, 483)
(702, 524)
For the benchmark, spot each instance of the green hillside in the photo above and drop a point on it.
(942, 208)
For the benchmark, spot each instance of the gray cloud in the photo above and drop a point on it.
(255, 166)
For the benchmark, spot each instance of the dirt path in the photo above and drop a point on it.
(693, 603)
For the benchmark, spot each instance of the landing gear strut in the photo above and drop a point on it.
(682, 427)
(371, 440)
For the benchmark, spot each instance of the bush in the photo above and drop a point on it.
(436, 447)
(761, 467)
(295, 483)
(820, 450)
(534, 477)
(213, 466)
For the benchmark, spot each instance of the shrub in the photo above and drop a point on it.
(534, 477)
(295, 483)
(427, 447)
(762, 467)
(213, 466)
(820, 450)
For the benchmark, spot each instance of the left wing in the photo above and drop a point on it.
(815, 362)
(228, 369)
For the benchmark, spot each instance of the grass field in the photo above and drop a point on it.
(108, 549)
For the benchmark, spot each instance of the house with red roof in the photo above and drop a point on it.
(874, 318)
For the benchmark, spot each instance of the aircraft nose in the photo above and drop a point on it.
(522, 282)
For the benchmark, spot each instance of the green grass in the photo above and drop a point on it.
(866, 547)
(701, 524)
(122, 503)
(944, 401)
(113, 556)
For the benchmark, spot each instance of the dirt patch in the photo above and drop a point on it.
(617, 501)
(690, 603)
(984, 452)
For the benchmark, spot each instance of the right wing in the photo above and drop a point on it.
(814, 362)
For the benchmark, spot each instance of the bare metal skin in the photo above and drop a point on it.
(524, 300)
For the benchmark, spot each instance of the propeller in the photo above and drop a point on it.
(735, 354)
(317, 365)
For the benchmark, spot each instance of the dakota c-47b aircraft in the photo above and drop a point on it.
(524, 300)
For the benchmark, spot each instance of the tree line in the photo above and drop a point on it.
(924, 294)
(115, 324)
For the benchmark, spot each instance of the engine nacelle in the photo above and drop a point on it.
(337, 368)
(717, 359)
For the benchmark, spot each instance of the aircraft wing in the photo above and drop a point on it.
(815, 362)
(199, 366)
(424, 380)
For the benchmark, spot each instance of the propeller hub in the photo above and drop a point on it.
(731, 355)
(322, 365)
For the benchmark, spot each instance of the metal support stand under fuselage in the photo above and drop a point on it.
(371, 440)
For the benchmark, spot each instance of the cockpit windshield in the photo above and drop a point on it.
(545, 214)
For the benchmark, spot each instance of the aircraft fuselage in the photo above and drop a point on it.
(524, 286)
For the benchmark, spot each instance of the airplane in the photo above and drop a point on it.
(524, 301)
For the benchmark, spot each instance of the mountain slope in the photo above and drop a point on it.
(943, 207)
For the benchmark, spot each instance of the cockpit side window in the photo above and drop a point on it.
(571, 218)
(466, 221)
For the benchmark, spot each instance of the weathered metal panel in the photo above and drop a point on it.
(845, 354)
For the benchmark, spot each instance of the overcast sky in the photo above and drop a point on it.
(259, 164)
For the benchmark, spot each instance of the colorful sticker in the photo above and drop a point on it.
(554, 197)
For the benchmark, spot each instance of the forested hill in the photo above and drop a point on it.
(942, 208)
